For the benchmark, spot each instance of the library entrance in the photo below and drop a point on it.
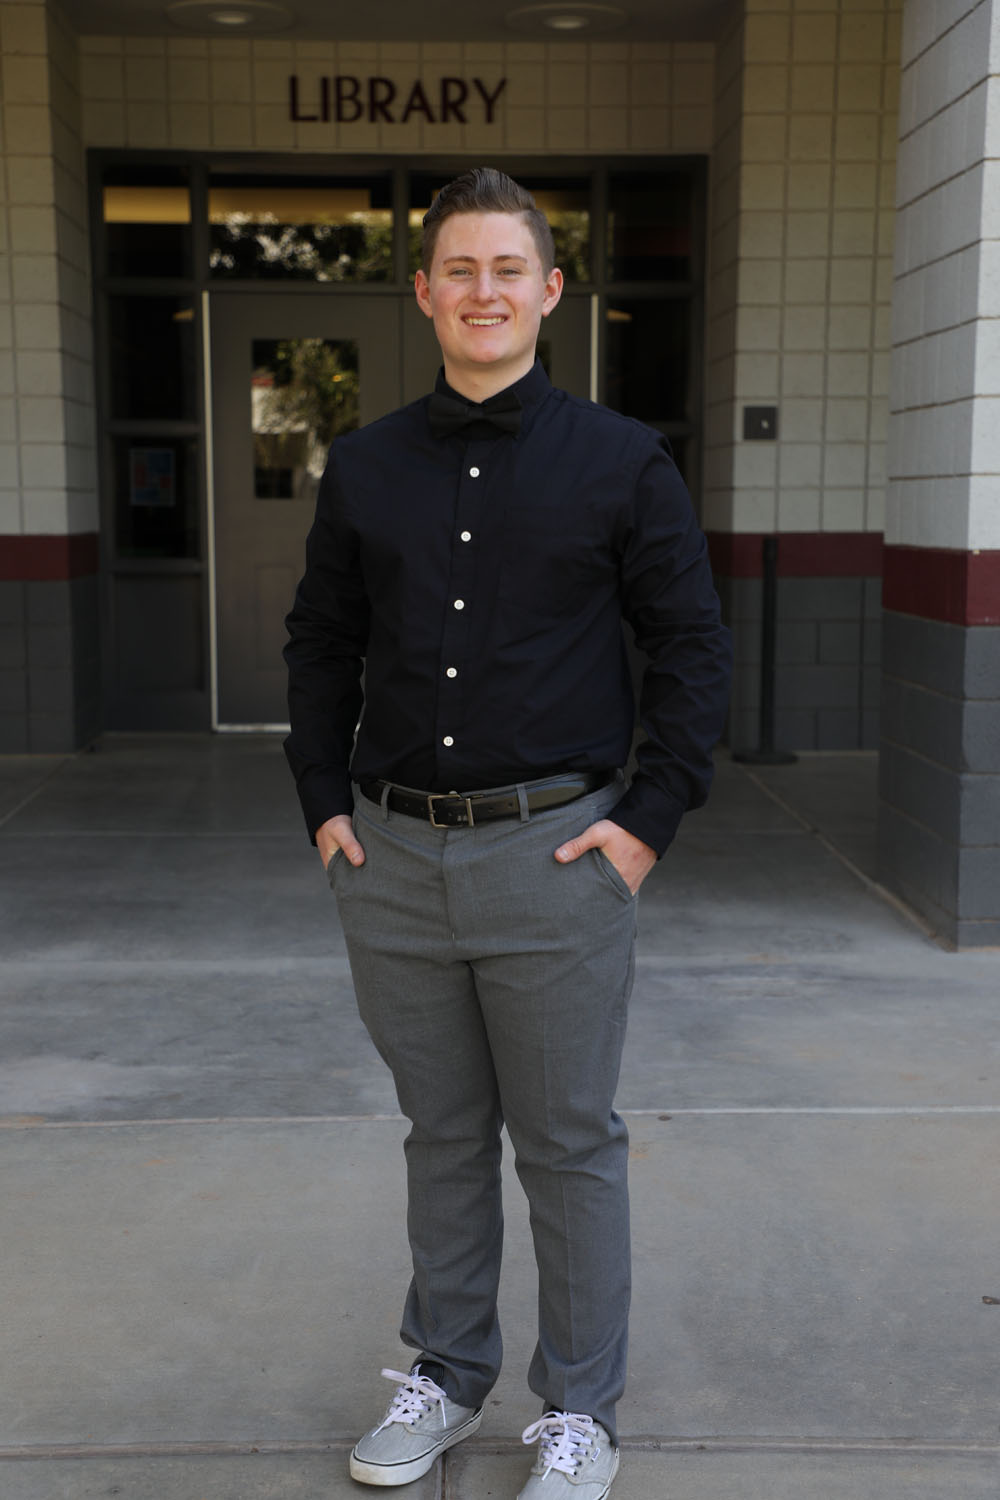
(250, 309)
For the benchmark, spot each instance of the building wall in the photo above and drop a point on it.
(189, 93)
(49, 649)
(802, 230)
(940, 751)
(797, 105)
(62, 94)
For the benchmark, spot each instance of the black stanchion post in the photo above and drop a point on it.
(765, 753)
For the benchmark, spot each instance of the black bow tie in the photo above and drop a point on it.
(448, 414)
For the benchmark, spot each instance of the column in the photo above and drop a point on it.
(940, 754)
(802, 220)
(49, 653)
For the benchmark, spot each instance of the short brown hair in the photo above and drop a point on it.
(486, 190)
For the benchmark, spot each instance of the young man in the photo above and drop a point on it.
(475, 554)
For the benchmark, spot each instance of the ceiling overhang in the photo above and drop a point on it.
(642, 21)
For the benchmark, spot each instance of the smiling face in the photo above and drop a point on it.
(487, 292)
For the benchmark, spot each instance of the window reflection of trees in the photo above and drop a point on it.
(570, 234)
(253, 246)
(304, 394)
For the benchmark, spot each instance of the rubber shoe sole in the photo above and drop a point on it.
(611, 1477)
(406, 1472)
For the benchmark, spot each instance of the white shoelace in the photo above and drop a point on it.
(414, 1399)
(567, 1438)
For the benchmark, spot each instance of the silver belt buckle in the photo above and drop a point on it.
(433, 797)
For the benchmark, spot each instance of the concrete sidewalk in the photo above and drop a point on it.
(202, 1252)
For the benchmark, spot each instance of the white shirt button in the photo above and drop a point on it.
(452, 672)
(447, 740)
(474, 473)
(459, 603)
(466, 536)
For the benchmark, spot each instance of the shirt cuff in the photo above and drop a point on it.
(649, 814)
(324, 796)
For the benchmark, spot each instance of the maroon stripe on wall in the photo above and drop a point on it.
(47, 559)
(961, 588)
(801, 554)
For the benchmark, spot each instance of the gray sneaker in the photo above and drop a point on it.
(421, 1423)
(576, 1458)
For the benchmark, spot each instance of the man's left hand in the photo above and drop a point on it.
(630, 856)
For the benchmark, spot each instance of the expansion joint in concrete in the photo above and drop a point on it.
(881, 891)
(640, 1443)
(58, 761)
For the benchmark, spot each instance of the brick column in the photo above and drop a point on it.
(803, 173)
(940, 753)
(49, 656)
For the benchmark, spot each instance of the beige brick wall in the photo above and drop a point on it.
(194, 94)
(723, 299)
(47, 467)
(944, 488)
(801, 255)
(796, 103)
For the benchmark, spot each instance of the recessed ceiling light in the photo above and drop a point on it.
(553, 16)
(245, 15)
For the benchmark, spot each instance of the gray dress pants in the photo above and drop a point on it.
(494, 981)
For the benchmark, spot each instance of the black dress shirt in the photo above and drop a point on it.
(479, 584)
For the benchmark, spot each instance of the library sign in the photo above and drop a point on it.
(346, 98)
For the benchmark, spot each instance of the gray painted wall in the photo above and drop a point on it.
(827, 666)
(50, 665)
(939, 774)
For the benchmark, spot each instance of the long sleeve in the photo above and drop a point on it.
(328, 632)
(669, 599)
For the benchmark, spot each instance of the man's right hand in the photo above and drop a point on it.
(338, 833)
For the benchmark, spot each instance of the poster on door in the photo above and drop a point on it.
(151, 477)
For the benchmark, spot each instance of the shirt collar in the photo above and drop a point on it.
(531, 389)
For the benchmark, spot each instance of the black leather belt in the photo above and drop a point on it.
(466, 809)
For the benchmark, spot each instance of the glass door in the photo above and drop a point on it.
(289, 374)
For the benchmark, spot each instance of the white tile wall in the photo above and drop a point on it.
(984, 512)
(797, 103)
(25, 79)
(798, 510)
(817, 146)
(44, 275)
(801, 463)
(846, 420)
(726, 371)
(943, 453)
(754, 510)
(565, 97)
(928, 512)
(802, 419)
(23, 30)
(62, 93)
(981, 279)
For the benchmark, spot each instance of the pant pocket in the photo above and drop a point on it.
(612, 875)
